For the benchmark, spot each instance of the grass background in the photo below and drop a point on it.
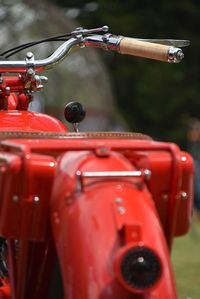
(186, 262)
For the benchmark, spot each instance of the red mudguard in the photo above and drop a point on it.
(104, 208)
(96, 219)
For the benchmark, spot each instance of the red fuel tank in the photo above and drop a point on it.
(14, 120)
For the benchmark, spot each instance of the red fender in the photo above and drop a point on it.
(96, 220)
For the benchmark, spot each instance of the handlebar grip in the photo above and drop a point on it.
(154, 51)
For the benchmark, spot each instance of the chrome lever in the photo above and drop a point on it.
(82, 31)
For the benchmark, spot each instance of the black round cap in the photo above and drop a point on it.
(74, 112)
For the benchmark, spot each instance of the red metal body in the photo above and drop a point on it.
(88, 222)
(15, 120)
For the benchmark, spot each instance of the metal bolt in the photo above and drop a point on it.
(147, 173)
(105, 28)
(36, 199)
(29, 55)
(121, 210)
(79, 29)
(184, 195)
(7, 89)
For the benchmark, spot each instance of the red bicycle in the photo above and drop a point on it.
(98, 209)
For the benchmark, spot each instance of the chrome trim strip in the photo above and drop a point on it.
(109, 174)
(145, 174)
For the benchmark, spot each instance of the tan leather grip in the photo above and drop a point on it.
(139, 48)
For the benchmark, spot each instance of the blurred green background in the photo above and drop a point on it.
(186, 262)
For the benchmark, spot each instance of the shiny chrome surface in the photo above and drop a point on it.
(102, 41)
(109, 174)
(175, 55)
(106, 41)
(39, 65)
(82, 31)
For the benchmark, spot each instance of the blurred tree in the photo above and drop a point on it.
(82, 77)
(154, 97)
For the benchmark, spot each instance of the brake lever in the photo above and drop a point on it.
(178, 43)
(81, 31)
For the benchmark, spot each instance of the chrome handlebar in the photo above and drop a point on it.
(107, 41)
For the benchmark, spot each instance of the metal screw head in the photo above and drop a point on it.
(36, 199)
(121, 210)
(7, 89)
(44, 79)
(29, 55)
(147, 173)
(184, 195)
(79, 29)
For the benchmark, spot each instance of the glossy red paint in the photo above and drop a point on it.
(94, 223)
(5, 292)
(14, 120)
(92, 219)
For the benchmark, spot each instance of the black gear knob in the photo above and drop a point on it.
(74, 112)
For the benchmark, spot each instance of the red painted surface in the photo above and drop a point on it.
(91, 223)
(89, 232)
(14, 120)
